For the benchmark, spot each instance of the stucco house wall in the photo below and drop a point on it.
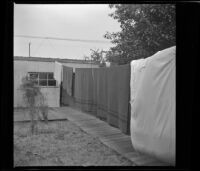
(21, 68)
(24, 65)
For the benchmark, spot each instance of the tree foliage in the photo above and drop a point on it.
(145, 29)
(97, 56)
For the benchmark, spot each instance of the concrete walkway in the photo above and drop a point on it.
(22, 115)
(108, 135)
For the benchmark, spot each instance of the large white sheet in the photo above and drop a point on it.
(153, 105)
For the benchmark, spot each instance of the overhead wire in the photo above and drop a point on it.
(64, 39)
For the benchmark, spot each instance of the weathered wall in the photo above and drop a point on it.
(53, 95)
(22, 67)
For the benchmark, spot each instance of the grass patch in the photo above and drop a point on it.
(61, 143)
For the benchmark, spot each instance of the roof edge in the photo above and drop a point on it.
(41, 59)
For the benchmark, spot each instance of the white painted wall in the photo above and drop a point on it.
(76, 65)
(21, 68)
(52, 95)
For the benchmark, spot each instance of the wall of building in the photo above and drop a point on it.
(77, 65)
(22, 67)
(52, 95)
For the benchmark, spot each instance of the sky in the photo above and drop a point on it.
(69, 21)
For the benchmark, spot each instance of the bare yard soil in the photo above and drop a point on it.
(61, 143)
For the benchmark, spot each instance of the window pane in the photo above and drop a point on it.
(50, 76)
(43, 75)
(35, 82)
(33, 76)
(43, 82)
(51, 82)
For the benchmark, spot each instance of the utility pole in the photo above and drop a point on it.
(29, 49)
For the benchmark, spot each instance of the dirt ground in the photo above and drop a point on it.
(61, 143)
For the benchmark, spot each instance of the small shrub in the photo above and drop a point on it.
(35, 101)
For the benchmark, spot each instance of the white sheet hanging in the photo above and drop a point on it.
(153, 105)
(58, 72)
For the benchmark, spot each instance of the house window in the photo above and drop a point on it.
(42, 78)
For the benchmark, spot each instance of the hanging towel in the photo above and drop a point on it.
(66, 94)
(94, 85)
(78, 87)
(118, 81)
(85, 95)
(153, 105)
(58, 72)
(89, 89)
(102, 93)
(123, 98)
(112, 83)
(67, 79)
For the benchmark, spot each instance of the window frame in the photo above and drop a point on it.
(38, 79)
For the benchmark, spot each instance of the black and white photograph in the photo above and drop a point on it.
(94, 85)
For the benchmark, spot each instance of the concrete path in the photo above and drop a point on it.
(108, 135)
(23, 115)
